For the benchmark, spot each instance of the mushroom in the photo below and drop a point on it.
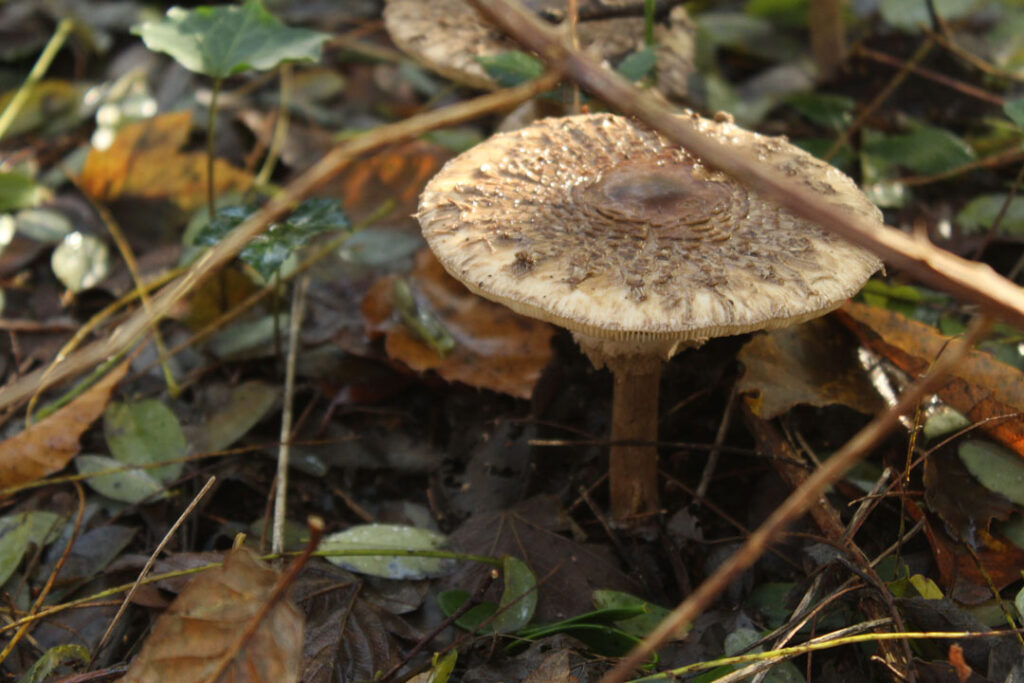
(447, 36)
(610, 230)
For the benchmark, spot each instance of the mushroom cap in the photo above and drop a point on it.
(609, 229)
(447, 36)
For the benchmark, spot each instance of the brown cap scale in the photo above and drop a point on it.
(447, 36)
(606, 228)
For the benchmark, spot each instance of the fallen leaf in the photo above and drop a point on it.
(146, 432)
(495, 348)
(145, 161)
(979, 386)
(48, 445)
(347, 637)
(997, 469)
(236, 410)
(962, 503)
(204, 622)
(397, 537)
(810, 364)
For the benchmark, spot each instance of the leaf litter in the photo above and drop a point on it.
(435, 425)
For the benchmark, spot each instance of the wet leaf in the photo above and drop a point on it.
(145, 432)
(519, 599)
(472, 619)
(269, 250)
(387, 537)
(56, 656)
(80, 261)
(17, 531)
(640, 624)
(127, 486)
(495, 348)
(205, 621)
(998, 470)
(221, 40)
(810, 364)
(979, 386)
(957, 497)
(145, 161)
(91, 553)
(49, 444)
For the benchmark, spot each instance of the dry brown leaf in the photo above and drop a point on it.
(48, 445)
(495, 348)
(146, 161)
(810, 364)
(202, 625)
(980, 386)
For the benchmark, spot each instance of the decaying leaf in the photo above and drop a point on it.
(495, 348)
(979, 386)
(962, 503)
(49, 444)
(206, 620)
(146, 162)
(812, 364)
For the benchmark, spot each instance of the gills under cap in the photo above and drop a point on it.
(607, 228)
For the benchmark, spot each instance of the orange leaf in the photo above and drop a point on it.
(980, 386)
(48, 445)
(204, 622)
(495, 348)
(146, 161)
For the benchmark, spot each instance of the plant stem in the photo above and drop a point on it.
(211, 123)
(633, 459)
(39, 69)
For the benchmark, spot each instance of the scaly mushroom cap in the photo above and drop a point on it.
(607, 228)
(447, 36)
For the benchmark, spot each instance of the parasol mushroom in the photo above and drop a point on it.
(447, 36)
(609, 230)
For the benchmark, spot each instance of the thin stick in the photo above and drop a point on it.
(319, 174)
(150, 562)
(39, 70)
(797, 504)
(281, 490)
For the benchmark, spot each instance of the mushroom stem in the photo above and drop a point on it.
(633, 467)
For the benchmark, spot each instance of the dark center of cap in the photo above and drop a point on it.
(657, 192)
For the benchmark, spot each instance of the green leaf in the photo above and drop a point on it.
(145, 432)
(269, 250)
(638, 65)
(925, 149)
(600, 639)
(1015, 110)
(998, 469)
(646, 620)
(450, 601)
(387, 538)
(512, 67)
(908, 15)
(221, 40)
(18, 189)
(127, 486)
(17, 531)
(56, 656)
(980, 214)
(420, 319)
(441, 666)
(519, 599)
(834, 112)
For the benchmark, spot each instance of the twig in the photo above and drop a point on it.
(313, 179)
(26, 622)
(712, 461)
(150, 562)
(942, 79)
(280, 499)
(798, 503)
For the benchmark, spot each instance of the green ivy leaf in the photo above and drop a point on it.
(266, 252)
(512, 67)
(220, 40)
